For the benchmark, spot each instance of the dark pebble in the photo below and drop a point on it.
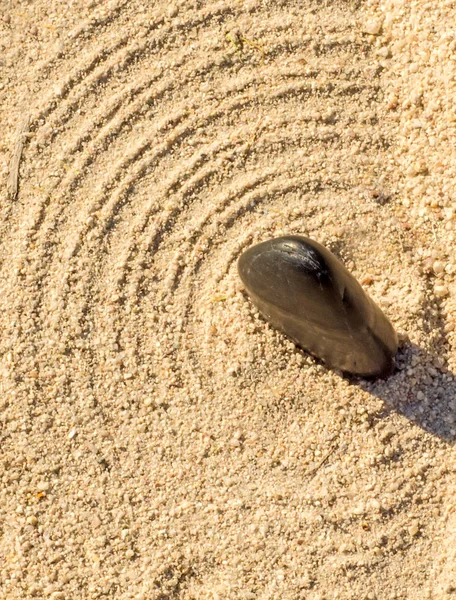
(303, 290)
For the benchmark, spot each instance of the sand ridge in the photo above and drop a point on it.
(158, 439)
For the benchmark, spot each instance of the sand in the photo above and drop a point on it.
(158, 439)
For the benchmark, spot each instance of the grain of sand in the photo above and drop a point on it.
(158, 439)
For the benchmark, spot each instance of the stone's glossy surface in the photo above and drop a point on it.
(303, 290)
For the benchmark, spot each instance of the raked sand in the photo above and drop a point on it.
(158, 440)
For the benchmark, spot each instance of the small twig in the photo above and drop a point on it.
(323, 461)
(13, 179)
(256, 46)
(238, 41)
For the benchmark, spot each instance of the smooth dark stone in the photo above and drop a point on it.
(303, 290)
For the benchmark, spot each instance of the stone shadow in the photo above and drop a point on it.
(422, 389)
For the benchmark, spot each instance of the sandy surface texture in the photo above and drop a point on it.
(158, 439)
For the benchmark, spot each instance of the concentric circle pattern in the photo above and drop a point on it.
(159, 439)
